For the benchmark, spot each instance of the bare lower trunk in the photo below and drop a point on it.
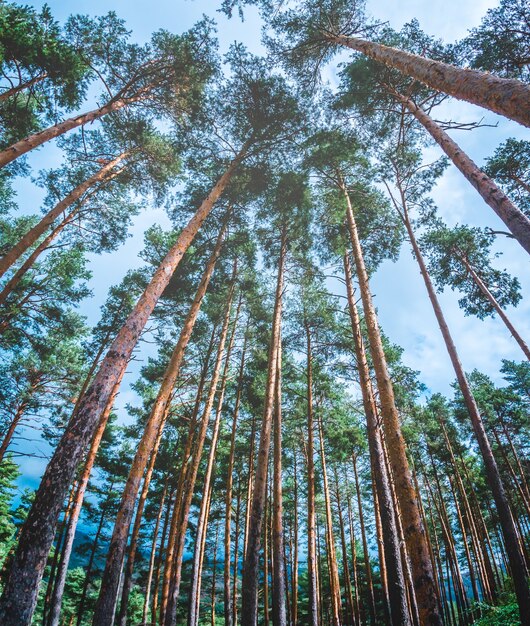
(20, 593)
(395, 578)
(279, 602)
(505, 96)
(415, 534)
(249, 606)
(228, 600)
(103, 614)
(60, 580)
(515, 556)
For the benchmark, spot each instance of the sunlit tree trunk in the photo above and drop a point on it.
(415, 534)
(249, 591)
(20, 592)
(505, 96)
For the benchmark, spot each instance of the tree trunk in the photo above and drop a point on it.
(279, 603)
(60, 580)
(491, 299)
(294, 555)
(8, 435)
(330, 539)
(395, 578)
(148, 445)
(39, 229)
(517, 563)
(349, 618)
(20, 593)
(417, 548)
(504, 96)
(35, 140)
(202, 521)
(152, 555)
(191, 477)
(249, 592)
(8, 93)
(313, 613)
(516, 221)
(228, 609)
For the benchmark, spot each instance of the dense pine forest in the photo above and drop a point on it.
(205, 250)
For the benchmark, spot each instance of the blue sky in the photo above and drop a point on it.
(404, 309)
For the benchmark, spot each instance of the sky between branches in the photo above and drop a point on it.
(405, 312)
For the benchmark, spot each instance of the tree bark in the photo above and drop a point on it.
(228, 599)
(515, 556)
(20, 593)
(35, 140)
(249, 592)
(415, 534)
(8, 93)
(279, 603)
(516, 221)
(39, 229)
(504, 96)
(148, 445)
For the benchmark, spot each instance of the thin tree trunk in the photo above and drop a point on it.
(517, 563)
(500, 312)
(8, 436)
(330, 539)
(392, 553)
(313, 612)
(228, 608)
(279, 603)
(152, 555)
(191, 477)
(249, 592)
(516, 221)
(505, 96)
(202, 521)
(148, 445)
(35, 140)
(20, 592)
(39, 229)
(8, 93)
(415, 534)
(294, 555)
(349, 618)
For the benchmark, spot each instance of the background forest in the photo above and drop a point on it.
(263, 326)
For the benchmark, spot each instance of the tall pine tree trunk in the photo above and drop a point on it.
(515, 556)
(20, 592)
(415, 533)
(505, 96)
(104, 611)
(395, 578)
(249, 607)
(74, 196)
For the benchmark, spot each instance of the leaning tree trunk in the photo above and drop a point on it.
(8, 93)
(39, 229)
(391, 545)
(249, 607)
(110, 581)
(516, 221)
(60, 579)
(493, 301)
(279, 602)
(505, 96)
(415, 533)
(24, 146)
(515, 556)
(20, 593)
